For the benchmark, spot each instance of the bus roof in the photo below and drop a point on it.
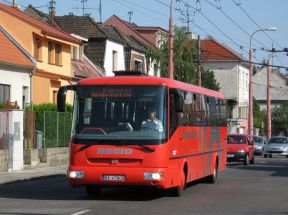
(149, 80)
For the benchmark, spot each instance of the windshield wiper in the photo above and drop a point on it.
(87, 145)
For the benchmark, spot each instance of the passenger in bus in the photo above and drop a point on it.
(152, 122)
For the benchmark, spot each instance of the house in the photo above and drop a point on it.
(150, 37)
(233, 76)
(50, 47)
(278, 87)
(16, 69)
(82, 67)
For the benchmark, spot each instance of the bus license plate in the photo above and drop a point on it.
(230, 155)
(113, 178)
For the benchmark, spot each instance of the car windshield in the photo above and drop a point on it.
(117, 113)
(258, 139)
(236, 139)
(276, 140)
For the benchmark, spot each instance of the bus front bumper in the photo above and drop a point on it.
(113, 176)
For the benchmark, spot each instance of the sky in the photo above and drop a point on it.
(231, 22)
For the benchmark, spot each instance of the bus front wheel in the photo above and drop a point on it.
(177, 191)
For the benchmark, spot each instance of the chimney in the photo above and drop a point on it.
(191, 35)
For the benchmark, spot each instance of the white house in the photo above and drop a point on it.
(278, 87)
(16, 69)
(233, 77)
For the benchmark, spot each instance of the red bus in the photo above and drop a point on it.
(110, 147)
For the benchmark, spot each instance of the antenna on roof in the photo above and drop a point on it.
(130, 16)
(52, 7)
(100, 10)
(85, 7)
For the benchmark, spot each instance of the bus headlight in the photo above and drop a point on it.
(76, 174)
(153, 176)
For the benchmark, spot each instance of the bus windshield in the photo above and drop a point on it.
(120, 114)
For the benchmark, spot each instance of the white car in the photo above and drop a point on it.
(277, 146)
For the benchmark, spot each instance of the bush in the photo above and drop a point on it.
(56, 126)
(49, 107)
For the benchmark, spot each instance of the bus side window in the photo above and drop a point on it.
(173, 115)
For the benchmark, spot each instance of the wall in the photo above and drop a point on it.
(17, 79)
(108, 59)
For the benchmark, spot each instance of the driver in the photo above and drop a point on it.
(152, 122)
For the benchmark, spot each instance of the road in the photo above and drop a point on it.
(261, 188)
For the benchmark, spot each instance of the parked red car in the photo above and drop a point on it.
(240, 147)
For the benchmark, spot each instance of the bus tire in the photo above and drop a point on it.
(93, 190)
(211, 179)
(177, 191)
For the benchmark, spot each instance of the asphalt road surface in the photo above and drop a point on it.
(261, 188)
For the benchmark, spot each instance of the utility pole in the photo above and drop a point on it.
(130, 13)
(171, 51)
(100, 10)
(268, 132)
(199, 65)
(14, 2)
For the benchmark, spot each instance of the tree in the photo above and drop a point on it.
(280, 119)
(257, 123)
(185, 56)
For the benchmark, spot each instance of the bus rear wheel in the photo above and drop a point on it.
(93, 190)
(211, 179)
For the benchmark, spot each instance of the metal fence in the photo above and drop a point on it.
(47, 129)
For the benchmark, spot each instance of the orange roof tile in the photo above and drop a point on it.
(212, 50)
(48, 29)
(10, 54)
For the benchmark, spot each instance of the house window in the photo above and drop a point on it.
(138, 65)
(58, 54)
(51, 54)
(4, 92)
(243, 112)
(38, 49)
(115, 61)
(25, 96)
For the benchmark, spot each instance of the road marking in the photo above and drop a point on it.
(81, 212)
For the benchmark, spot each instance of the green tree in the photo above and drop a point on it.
(280, 120)
(185, 56)
(256, 114)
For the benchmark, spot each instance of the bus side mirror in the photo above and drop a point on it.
(178, 100)
(61, 96)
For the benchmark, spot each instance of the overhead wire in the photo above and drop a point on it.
(139, 11)
(252, 20)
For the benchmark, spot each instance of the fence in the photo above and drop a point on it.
(47, 129)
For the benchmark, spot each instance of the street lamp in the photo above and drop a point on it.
(250, 117)
(171, 61)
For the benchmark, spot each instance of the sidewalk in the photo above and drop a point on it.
(31, 174)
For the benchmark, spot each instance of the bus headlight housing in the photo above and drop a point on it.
(76, 174)
(153, 176)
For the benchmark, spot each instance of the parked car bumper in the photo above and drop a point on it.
(270, 152)
(236, 156)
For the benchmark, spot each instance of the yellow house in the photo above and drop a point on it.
(51, 48)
